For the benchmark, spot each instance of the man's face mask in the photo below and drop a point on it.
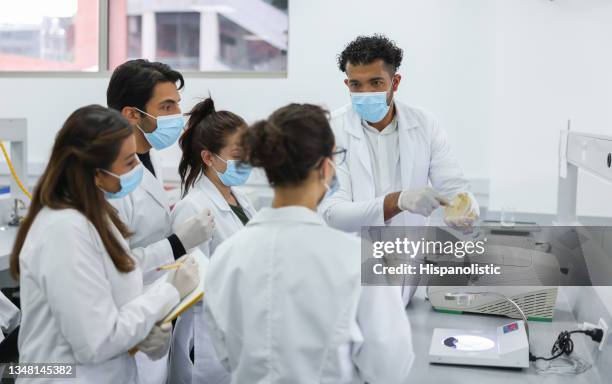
(372, 106)
(167, 132)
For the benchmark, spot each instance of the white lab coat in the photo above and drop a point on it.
(146, 212)
(425, 158)
(192, 328)
(9, 316)
(285, 304)
(9, 319)
(77, 307)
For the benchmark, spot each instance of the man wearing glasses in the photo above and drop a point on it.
(398, 167)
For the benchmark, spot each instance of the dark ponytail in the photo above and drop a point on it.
(206, 129)
(289, 143)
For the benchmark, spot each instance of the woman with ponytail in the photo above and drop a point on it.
(284, 299)
(82, 296)
(211, 170)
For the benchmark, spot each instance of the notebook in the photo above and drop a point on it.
(189, 300)
(195, 296)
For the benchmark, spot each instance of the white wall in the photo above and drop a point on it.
(553, 63)
(502, 76)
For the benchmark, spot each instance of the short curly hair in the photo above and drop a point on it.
(367, 49)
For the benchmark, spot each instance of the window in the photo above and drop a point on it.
(178, 39)
(189, 35)
(42, 35)
(201, 35)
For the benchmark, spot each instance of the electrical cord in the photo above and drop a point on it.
(558, 364)
(565, 345)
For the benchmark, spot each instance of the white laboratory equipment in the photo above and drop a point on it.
(505, 346)
(538, 303)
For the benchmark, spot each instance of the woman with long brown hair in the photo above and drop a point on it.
(82, 295)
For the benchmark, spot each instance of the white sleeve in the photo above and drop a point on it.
(445, 173)
(341, 212)
(9, 315)
(153, 255)
(79, 296)
(385, 354)
(183, 211)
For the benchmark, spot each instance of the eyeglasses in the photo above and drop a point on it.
(339, 155)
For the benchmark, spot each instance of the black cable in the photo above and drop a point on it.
(565, 345)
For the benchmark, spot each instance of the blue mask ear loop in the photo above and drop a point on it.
(327, 187)
(151, 116)
(392, 92)
(223, 160)
(112, 174)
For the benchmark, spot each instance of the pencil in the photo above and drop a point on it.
(169, 266)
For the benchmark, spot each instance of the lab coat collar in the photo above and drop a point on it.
(405, 121)
(295, 214)
(152, 186)
(206, 186)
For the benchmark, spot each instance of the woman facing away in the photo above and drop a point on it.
(284, 299)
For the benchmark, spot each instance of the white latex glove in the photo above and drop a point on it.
(422, 201)
(186, 277)
(157, 343)
(196, 230)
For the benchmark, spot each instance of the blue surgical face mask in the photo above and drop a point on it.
(371, 106)
(129, 181)
(168, 130)
(236, 172)
(334, 185)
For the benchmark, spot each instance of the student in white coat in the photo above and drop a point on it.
(9, 320)
(9, 316)
(82, 295)
(394, 151)
(284, 296)
(146, 93)
(210, 172)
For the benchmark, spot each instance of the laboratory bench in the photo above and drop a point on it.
(424, 319)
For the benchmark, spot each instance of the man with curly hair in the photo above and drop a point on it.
(399, 166)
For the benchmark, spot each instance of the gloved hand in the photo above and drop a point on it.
(422, 201)
(461, 213)
(186, 277)
(196, 230)
(157, 343)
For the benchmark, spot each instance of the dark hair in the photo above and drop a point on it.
(206, 129)
(367, 49)
(132, 83)
(289, 143)
(90, 139)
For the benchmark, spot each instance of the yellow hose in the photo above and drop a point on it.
(10, 165)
